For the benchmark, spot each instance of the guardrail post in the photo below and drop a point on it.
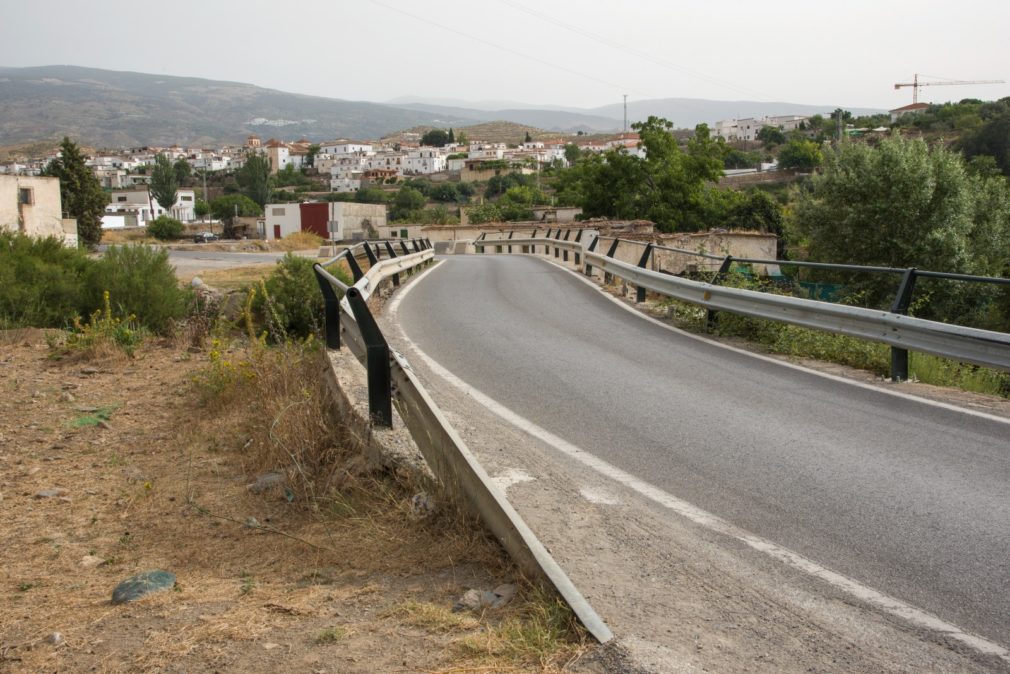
(403, 248)
(526, 249)
(902, 301)
(578, 256)
(564, 256)
(392, 254)
(478, 248)
(380, 392)
(557, 237)
(510, 236)
(372, 259)
(331, 310)
(710, 317)
(640, 291)
(607, 277)
(547, 249)
(356, 272)
(592, 247)
(417, 248)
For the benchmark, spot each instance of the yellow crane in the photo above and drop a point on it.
(915, 84)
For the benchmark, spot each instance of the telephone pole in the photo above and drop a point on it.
(625, 113)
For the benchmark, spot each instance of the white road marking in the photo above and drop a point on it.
(601, 496)
(510, 477)
(869, 595)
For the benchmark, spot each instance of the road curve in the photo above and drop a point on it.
(908, 498)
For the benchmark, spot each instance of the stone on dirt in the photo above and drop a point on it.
(421, 505)
(478, 599)
(51, 493)
(91, 561)
(143, 584)
(266, 482)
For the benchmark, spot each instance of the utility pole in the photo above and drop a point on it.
(625, 113)
(206, 199)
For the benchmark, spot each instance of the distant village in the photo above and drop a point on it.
(348, 166)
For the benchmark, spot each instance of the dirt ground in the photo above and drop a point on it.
(111, 468)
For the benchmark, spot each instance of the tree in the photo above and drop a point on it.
(165, 228)
(572, 153)
(517, 203)
(667, 186)
(164, 184)
(738, 159)
(255, 179)
(529, 138)
(407, 201)
(226, 207)
(201, 208)
(183, 171)
(905, 204)
(435, 138)
(452, 136)
(484, 213)
(444, 192)
(771, 136)
(310, 158)
(800, 155)
(371, 195)
(80, 192)
(992, 138)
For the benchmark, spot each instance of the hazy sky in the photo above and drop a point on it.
(559, 52)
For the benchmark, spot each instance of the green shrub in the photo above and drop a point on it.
(165, 228)
(104, 330)
(289, 303)
(40, 281)
(141, 282)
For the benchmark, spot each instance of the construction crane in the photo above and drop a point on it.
(915, 84)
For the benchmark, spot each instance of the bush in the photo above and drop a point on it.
(41, 282)
(289, 303)
(165, 228)
(104, 332)
(141, 282)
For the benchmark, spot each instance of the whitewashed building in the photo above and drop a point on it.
(144, 207)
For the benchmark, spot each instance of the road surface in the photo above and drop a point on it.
(189, 263)
(910, 499)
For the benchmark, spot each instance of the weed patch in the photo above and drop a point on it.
(99, 416)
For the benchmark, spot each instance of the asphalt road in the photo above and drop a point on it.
(189, 262)
(910, 499)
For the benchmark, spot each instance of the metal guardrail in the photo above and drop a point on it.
(902, 332)
(391, 381)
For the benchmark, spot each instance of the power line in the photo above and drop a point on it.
(602, 39)
(509, 50)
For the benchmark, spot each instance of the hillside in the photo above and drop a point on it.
(552, 120)
(493, 132)
(117, 109)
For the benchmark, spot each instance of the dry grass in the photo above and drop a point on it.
(264, 580)
(120, 237)
(297, 241)
(235, 277)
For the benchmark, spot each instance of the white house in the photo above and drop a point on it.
(343, 146)
(424, 160)
(33, 206)
(145, 207)
(345, 181)
(748, 128)
(281, 220)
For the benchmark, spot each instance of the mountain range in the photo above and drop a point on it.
(107, 108)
